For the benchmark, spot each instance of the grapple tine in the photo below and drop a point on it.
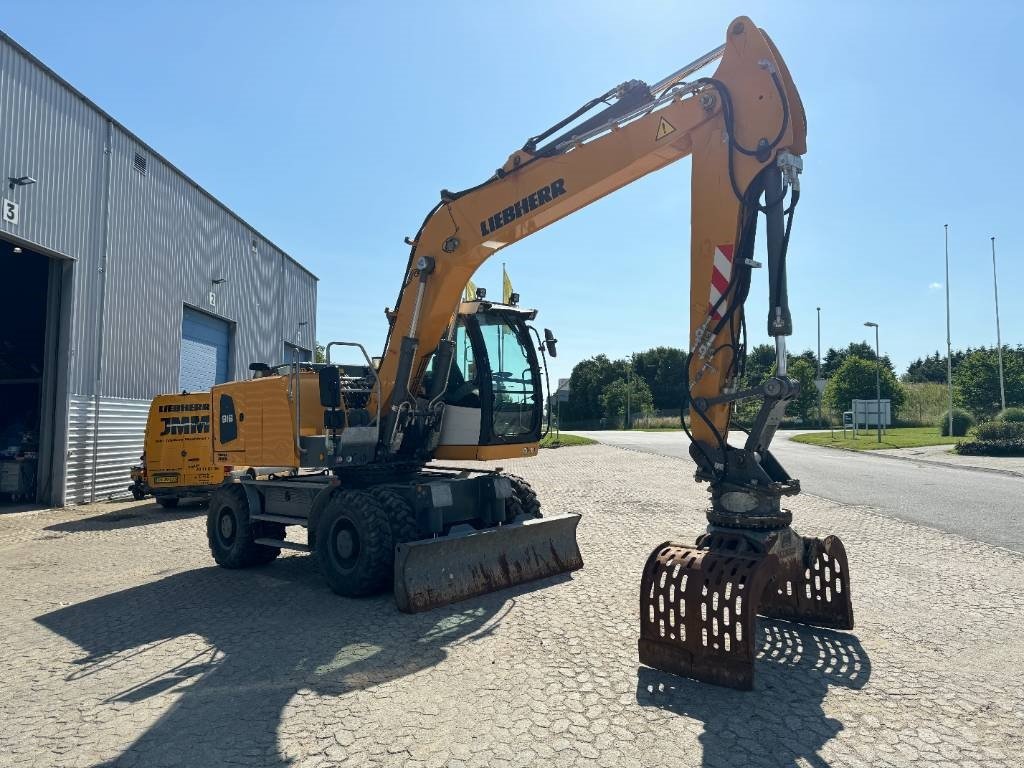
(435, 572)
(698, 603)
(814, 589)
(697, 610)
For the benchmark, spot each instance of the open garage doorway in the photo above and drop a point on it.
(29, 320)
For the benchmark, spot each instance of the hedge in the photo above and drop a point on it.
(1000, 430)
(1011, 447)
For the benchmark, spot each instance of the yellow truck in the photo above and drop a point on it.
(178, 457)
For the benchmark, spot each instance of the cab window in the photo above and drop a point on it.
(514, 412)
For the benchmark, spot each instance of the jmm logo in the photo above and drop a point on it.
(186, 425)
(522, 207)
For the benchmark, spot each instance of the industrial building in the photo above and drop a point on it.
(122, 279)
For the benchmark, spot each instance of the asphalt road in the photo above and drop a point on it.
(983, 506)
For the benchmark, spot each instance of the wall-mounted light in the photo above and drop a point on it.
(513, 299)
(219, 280)
(16, 249)
(20, 181)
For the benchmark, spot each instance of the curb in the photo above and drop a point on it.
(877, 455)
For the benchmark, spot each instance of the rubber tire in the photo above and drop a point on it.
(524, 500)
(401, 516)
(168, 502)
(240, 551)
(371, 569)
(138, 493)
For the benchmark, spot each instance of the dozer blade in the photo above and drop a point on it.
(698, 604)
(435, 572)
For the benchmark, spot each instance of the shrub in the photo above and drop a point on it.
(1014, 447)
(1000, 430)
(1011, 414)
(962, 421)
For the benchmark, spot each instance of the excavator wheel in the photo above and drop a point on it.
(231, 533)
(524, 500)
(401, 516)
(354, 545)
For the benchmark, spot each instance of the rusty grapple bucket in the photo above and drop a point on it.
(434, 572)
(698, 604)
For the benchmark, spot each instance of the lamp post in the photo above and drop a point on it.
(878, 382)
(999, 340)
(819, 369)
(949, 345)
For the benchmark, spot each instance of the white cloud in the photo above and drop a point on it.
(934, 286)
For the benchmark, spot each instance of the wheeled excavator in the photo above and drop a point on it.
(461, 381)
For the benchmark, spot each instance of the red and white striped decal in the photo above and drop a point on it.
(721, 273)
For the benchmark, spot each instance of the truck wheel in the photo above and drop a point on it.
(230, 532)
(354, 545)
(168, 502)
(524, 500)
(401, 516)
(138, 493)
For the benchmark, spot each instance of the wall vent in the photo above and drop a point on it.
(139, 164)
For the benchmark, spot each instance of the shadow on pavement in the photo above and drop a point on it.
(264, 635)
(149, 514)
(782, 719)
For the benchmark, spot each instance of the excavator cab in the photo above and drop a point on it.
(493, 398)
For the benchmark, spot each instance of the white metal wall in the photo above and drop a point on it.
(97, 465)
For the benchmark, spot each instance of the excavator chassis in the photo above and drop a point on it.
(698, 604)
(455, 533)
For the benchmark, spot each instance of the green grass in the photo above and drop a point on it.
(565, 440)
(900, 437)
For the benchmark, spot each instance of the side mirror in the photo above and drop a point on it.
(330, 386)
(550, 342)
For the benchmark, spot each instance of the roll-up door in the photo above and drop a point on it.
(205, 351)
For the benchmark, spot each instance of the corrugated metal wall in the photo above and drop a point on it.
(145, 244)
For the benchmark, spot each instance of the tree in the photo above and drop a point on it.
(663, 370)
(855, 380)
(805, 405)
(614, 399)
(587, 383)
(320, 354)
(759, 366)
(931, 368)
(976, 381)
(834, 358)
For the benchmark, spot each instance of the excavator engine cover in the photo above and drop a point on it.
(433, 572)
(698, 604)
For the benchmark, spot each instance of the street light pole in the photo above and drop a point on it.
(999, 339)
(819, 368)
(878, 383)
(629, 379)
(949, 344)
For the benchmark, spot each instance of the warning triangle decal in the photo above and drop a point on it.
(664, 129)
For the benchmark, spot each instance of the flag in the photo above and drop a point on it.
(506, 286)
(470, 293)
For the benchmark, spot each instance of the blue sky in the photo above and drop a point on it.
(332, 126)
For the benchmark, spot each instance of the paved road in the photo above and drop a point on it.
(983, 506)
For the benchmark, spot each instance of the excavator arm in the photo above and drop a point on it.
(744, 127)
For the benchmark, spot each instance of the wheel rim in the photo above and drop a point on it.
(346, 545)
(226, 526)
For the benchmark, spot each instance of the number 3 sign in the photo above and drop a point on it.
(10, 211)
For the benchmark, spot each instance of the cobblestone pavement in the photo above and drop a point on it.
(123, 645)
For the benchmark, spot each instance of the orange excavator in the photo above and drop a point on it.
(461, 380)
